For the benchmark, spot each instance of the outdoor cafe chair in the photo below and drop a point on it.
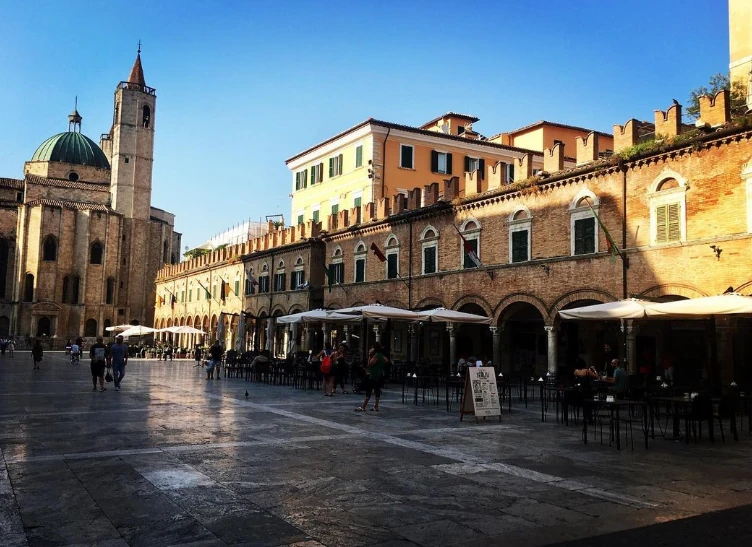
(725, 409)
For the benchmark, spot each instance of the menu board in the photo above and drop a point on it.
(480, 396)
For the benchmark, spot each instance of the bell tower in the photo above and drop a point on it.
(133, 144)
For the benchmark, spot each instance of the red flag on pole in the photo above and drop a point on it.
(377, 252)
(469, 250)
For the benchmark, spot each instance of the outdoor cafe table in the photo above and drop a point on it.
(614, 407)
(560, 398)
(684, 403)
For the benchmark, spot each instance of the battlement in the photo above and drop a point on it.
(715, 110)
(668, 123)
(587, 148)
(553, 158)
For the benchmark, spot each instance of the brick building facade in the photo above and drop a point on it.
(676, 202)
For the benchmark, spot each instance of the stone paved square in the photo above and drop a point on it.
(177, 460)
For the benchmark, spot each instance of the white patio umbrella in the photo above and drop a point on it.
(184, 329)
(317, 316)
(117, 327)
(443, 315)
(631, 308)
(137, 330)
(240, 338)
(378, 311)
(706, 306)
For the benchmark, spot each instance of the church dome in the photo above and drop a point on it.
(71, 147)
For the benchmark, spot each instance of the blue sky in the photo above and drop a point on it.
(242, 86)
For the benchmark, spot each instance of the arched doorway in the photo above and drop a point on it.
(523, 339)
(474, 340)
(582, 344)
(44, 326)
(90, 328)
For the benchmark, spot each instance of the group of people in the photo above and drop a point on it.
(104, 357)
(333, 366)
(7, 344)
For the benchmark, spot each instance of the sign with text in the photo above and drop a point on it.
(480, 396)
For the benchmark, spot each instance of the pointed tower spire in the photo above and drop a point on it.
(137, 72)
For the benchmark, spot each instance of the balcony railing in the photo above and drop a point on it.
(142, 88)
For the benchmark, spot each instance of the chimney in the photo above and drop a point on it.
(587, 148)
(553, 158)
(523, 168)
(668, 124)
(430, 194)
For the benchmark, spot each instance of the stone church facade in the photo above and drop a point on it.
(80, 243)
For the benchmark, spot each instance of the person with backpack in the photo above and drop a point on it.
(325, 357)
(100, 356)
(37, 352)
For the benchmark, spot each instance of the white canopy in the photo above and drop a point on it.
(316, 316)
(724, 304)
(377, 311)
(443, 315)
(117, 327)
(630, 308)
(137, 330)
(184, 329)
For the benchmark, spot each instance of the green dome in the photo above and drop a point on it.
(71, 147)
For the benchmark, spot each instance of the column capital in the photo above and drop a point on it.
(549, 328)
(496, 331)
(377, 328)
(346, 328)
(451, 329)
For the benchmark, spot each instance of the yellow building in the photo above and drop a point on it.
(377, 159)
(740, 44)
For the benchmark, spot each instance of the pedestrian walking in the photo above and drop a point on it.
(37, 352)
(119, 356)
(11, 347)
(340, 369)
(215, 352)
(375, 377)
(197, 354)
(325, 358)
(99, 355)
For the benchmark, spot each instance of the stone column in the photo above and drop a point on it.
(631, 333)
(293, 338)
(306, 338)
(270, 335)
(377, 330)
(325, 331)
(413, 333)
(348, 335)
(452, 330)
(496, 334)
(551, 345)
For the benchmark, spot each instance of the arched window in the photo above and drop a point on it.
(66, 290)
(44, 326)
(74, 292)
(107, 324)
(110, 296)
(90, 328)
(519, 234)
(49, 249)
(583, 226)
(668, 206)
(4, 251)
(95, 256)
(470, 230)
(392, 257)
(360, 263)
(29, 288)
(146, 119)
(429, 250)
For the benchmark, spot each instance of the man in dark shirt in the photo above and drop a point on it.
(99, 355)
(119, 352)
(216, 356)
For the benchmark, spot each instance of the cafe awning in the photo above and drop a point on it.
(631, 308)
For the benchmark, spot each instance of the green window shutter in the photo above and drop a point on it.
(297, 180)
(391, 270)
(429, 260)
(237, 287)
(674, 225)
(449, 164)
(315, 216)
(434, 161)
(331, 167)
(482, 168)
(584, 236)
(519, 246)
(359, 156)
(467, 164)
(313, 175)
(300, 220)
(341, 164)
(360, 270)
(335, 209)
(321, 171)
(661, 224)
(357, 202)
(406, 157)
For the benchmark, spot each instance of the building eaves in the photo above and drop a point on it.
(471, 119)
(411, 129)
(553, 124)
(16, 184)
(62, 183)
(76, 205)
